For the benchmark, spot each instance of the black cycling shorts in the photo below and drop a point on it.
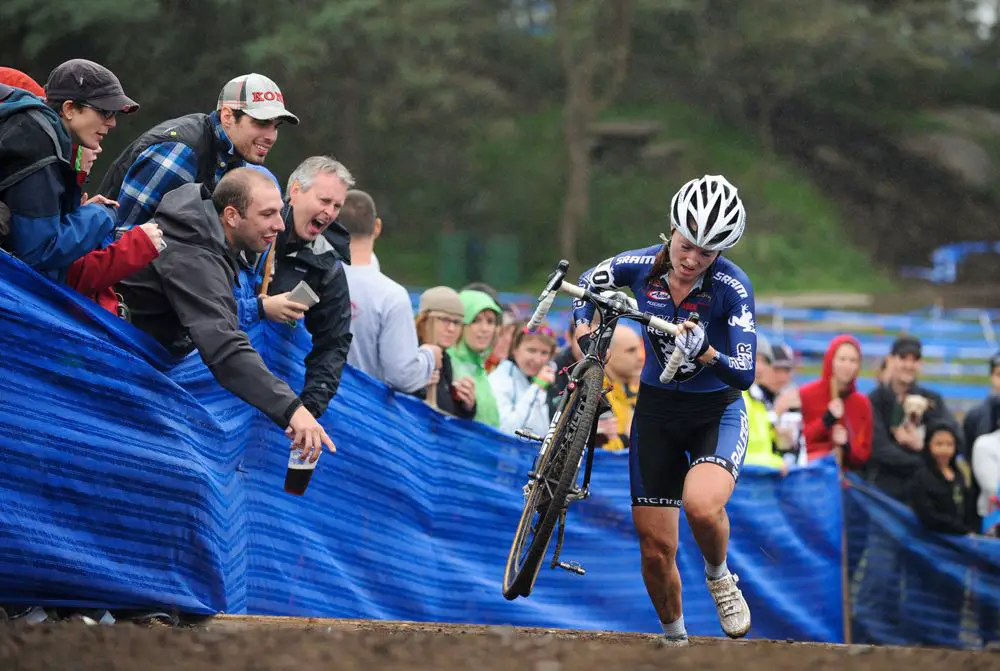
(673, 431)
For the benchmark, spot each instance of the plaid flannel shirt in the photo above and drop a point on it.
(163, 167)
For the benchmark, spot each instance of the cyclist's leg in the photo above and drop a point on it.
(656, 475)
(716, 462)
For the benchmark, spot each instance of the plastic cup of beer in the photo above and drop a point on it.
(299, 473)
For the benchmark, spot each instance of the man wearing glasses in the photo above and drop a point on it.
(49, 228)
(197, 147)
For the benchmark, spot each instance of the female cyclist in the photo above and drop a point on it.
(689, 436)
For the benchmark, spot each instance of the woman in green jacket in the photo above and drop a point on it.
(468, 356)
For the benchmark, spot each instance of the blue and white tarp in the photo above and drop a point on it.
(127, 484)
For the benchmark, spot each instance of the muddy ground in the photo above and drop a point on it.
(289, 643)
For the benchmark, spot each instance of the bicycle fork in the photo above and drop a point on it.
(576, 494)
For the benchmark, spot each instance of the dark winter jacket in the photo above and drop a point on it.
(49, 229)
(445, 401)
(892, 466)
(184, 299)
(942, 505)
(319, 264)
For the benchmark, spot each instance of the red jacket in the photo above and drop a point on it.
(95, 274)
(857, 417)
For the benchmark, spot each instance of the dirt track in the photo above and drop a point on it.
(292, 643)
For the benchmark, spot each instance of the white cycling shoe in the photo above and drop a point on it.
(734, 613)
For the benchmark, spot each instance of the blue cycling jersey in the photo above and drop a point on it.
(723, 299)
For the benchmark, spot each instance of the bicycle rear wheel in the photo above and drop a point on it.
(548, 491)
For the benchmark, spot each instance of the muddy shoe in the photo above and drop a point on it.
(671, 642)
(734, 614)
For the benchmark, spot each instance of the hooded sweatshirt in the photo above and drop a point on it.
(184, 299)
(465, 362)
(942, 505)
(49, 229)
(818, 422)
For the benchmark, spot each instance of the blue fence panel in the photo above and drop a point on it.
(124, 486)
(913, 586)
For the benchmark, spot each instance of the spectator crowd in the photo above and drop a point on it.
(193, 241)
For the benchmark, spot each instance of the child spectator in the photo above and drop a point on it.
(439, 322)
(939, 493)
(468, 356)
(519, 383)
(834, 414)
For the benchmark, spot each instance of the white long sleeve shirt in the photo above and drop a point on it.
(986, 468)
(522, 405)
(384, 341)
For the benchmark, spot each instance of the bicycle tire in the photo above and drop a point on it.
(561, 464)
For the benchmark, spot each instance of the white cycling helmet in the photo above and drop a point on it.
(709, 213)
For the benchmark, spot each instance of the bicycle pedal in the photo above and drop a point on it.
(572, 567)
(528, 435)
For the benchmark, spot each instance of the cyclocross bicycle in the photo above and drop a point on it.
(553, 481)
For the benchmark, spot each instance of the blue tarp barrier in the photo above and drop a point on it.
(124, 486)
(127, 483)
(913, 586)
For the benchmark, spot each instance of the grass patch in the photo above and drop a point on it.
(794, 241)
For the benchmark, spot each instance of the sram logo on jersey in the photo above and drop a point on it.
(619, 260)
(731, 282)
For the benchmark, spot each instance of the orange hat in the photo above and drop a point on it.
(19, 80)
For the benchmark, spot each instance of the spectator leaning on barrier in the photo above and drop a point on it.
(184, 299)
(49, 227)
(468, 356)
(439, 322)
(249, 305)
(313, 249)
(979, 420)
(835, 415)
(197, 147)
(384, 341)
(902, 409)
(762, 442)
(938, 491)
(520, 381)
(95, 273)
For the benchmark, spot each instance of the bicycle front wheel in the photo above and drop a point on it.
(547, 492)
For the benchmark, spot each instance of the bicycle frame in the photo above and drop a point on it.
(610, 308)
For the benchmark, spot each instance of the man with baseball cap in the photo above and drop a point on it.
(49, 228)
(772, 435)
(197, 147)
(897, 443)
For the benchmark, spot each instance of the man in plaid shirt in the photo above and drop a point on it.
(197, 147)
